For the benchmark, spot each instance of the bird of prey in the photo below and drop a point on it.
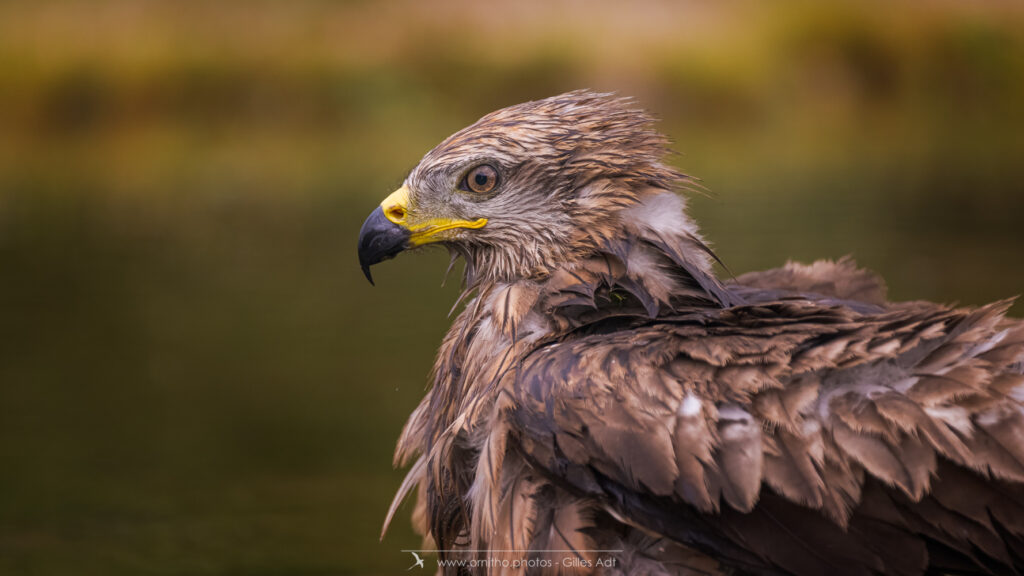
(605, 404)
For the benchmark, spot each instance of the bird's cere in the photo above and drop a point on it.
(396, 205)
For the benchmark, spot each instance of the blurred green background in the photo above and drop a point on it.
(194, 376)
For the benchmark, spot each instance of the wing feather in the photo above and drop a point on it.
(814, 403)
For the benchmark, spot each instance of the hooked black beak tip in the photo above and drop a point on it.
(379, 240)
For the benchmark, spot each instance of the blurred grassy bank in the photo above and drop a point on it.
(195, 378)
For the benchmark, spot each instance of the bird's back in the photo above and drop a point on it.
(814, 428)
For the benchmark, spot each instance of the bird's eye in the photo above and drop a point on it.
(480, 180)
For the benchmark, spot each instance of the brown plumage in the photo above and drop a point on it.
(603, 390)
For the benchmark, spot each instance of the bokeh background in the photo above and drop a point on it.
(194, 376)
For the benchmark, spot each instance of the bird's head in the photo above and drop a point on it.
(525, 189)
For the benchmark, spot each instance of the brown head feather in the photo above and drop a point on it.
(566, 166)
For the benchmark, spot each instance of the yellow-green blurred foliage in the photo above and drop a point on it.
(195, 378)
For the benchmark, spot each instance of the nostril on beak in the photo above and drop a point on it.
(396, 213)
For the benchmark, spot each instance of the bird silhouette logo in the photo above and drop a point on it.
(419, 562)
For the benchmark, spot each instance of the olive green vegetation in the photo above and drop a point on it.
(194, 376)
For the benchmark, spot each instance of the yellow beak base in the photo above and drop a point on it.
(396, 209)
